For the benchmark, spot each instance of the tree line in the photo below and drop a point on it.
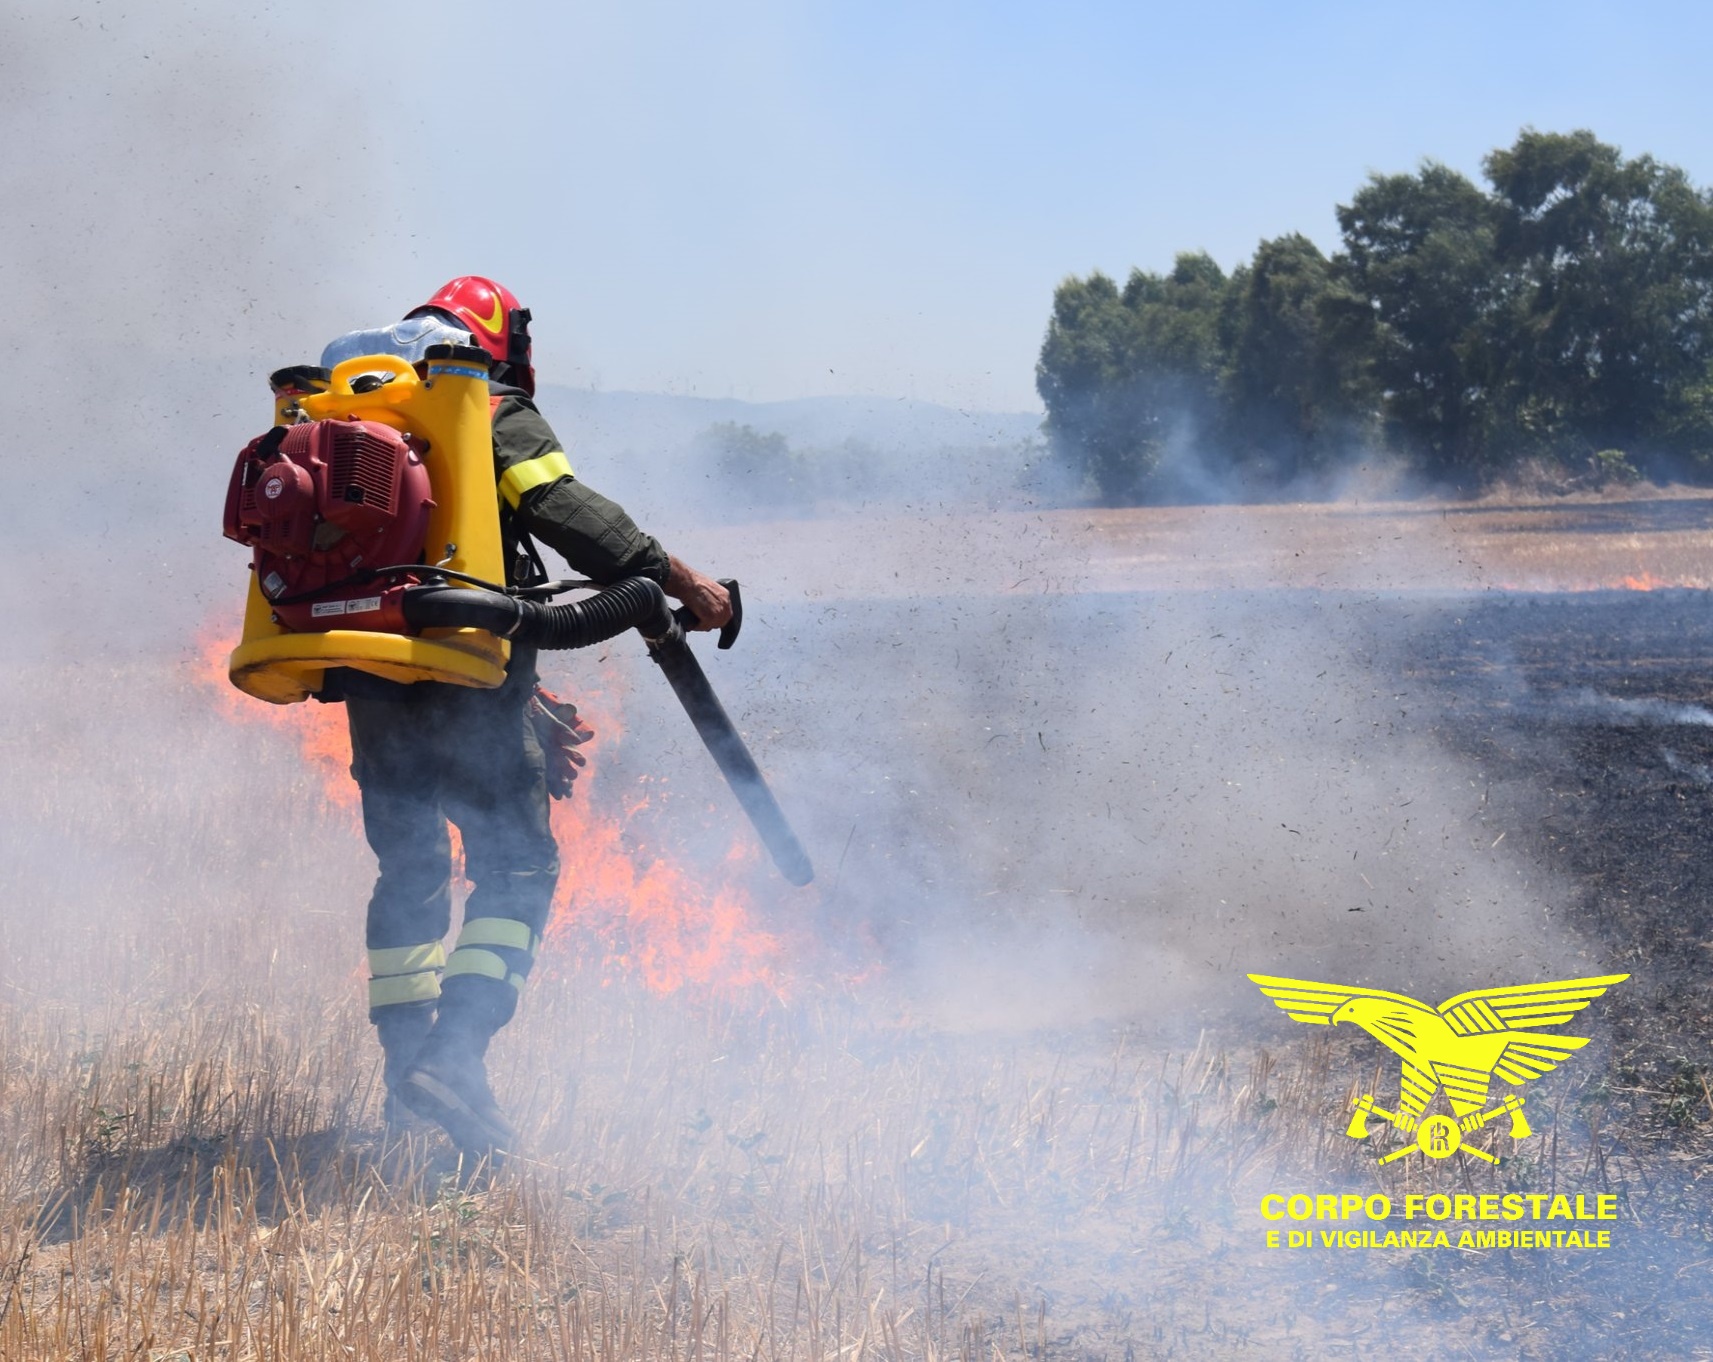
(1561, 315)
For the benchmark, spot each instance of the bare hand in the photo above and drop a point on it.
(706, 598)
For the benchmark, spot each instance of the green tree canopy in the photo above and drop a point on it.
(1296, 379)
(1419, 250)
(1120, 373)
(1609, 263)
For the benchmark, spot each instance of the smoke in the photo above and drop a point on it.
(1163, 442)
(704, 461)
(1046, 809)
(1046, 792)
(999, 781)
(1348, 465)
(1060, 766)
(1588, 706)
(180, 212)
(1031, 800)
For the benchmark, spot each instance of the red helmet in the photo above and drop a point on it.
(491, 313)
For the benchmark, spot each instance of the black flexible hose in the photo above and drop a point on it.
(456, 607)
(633, 603)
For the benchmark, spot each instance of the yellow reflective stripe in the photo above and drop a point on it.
(496, 931)
(406, 959)
(468, 961)
(423, 987)
(520, 477)
(516, 981)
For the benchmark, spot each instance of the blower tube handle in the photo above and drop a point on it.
(687, 620)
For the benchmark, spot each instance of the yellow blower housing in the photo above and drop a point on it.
(449, 411)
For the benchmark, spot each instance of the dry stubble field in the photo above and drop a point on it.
(783, 1136)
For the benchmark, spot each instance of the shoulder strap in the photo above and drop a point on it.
(526, 569)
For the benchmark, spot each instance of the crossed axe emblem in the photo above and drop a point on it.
(1439, 1137)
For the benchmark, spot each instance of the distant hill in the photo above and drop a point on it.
(806, 456)
(627, 419)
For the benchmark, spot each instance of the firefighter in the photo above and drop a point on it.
(426, 753)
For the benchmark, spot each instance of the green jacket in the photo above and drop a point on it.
(540, 494)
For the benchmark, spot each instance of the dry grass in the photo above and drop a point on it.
(702, 1180)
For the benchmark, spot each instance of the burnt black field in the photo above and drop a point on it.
(1595, 713)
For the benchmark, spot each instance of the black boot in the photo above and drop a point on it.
(448, 1084)
(402, 1028)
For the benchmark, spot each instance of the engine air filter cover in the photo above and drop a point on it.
(320, 504)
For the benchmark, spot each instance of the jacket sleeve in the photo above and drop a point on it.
(591, 532)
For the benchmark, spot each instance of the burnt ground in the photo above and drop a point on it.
(1595, 713)
(1590, 717)
(1592, 714)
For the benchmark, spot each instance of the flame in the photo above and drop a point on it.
(657, 920)
(633, 908)
(1639, 581)
(320, 730)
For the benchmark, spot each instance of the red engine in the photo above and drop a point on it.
(324, 504)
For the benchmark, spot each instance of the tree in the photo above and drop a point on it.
(1610, 269)
(1296, 380)
(1419, 249)
(762, 463)
(1122, 373)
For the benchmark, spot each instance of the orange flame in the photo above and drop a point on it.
(320, 730)
(635, 910)
(1640, 581)
(657, 919)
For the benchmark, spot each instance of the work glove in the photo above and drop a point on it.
(560, 732)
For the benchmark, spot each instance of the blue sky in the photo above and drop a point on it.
(775, 200)
(771, 200)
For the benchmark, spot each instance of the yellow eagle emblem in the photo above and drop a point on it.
(1461, 1046)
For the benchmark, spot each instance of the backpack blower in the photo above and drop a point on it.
(372, 516)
